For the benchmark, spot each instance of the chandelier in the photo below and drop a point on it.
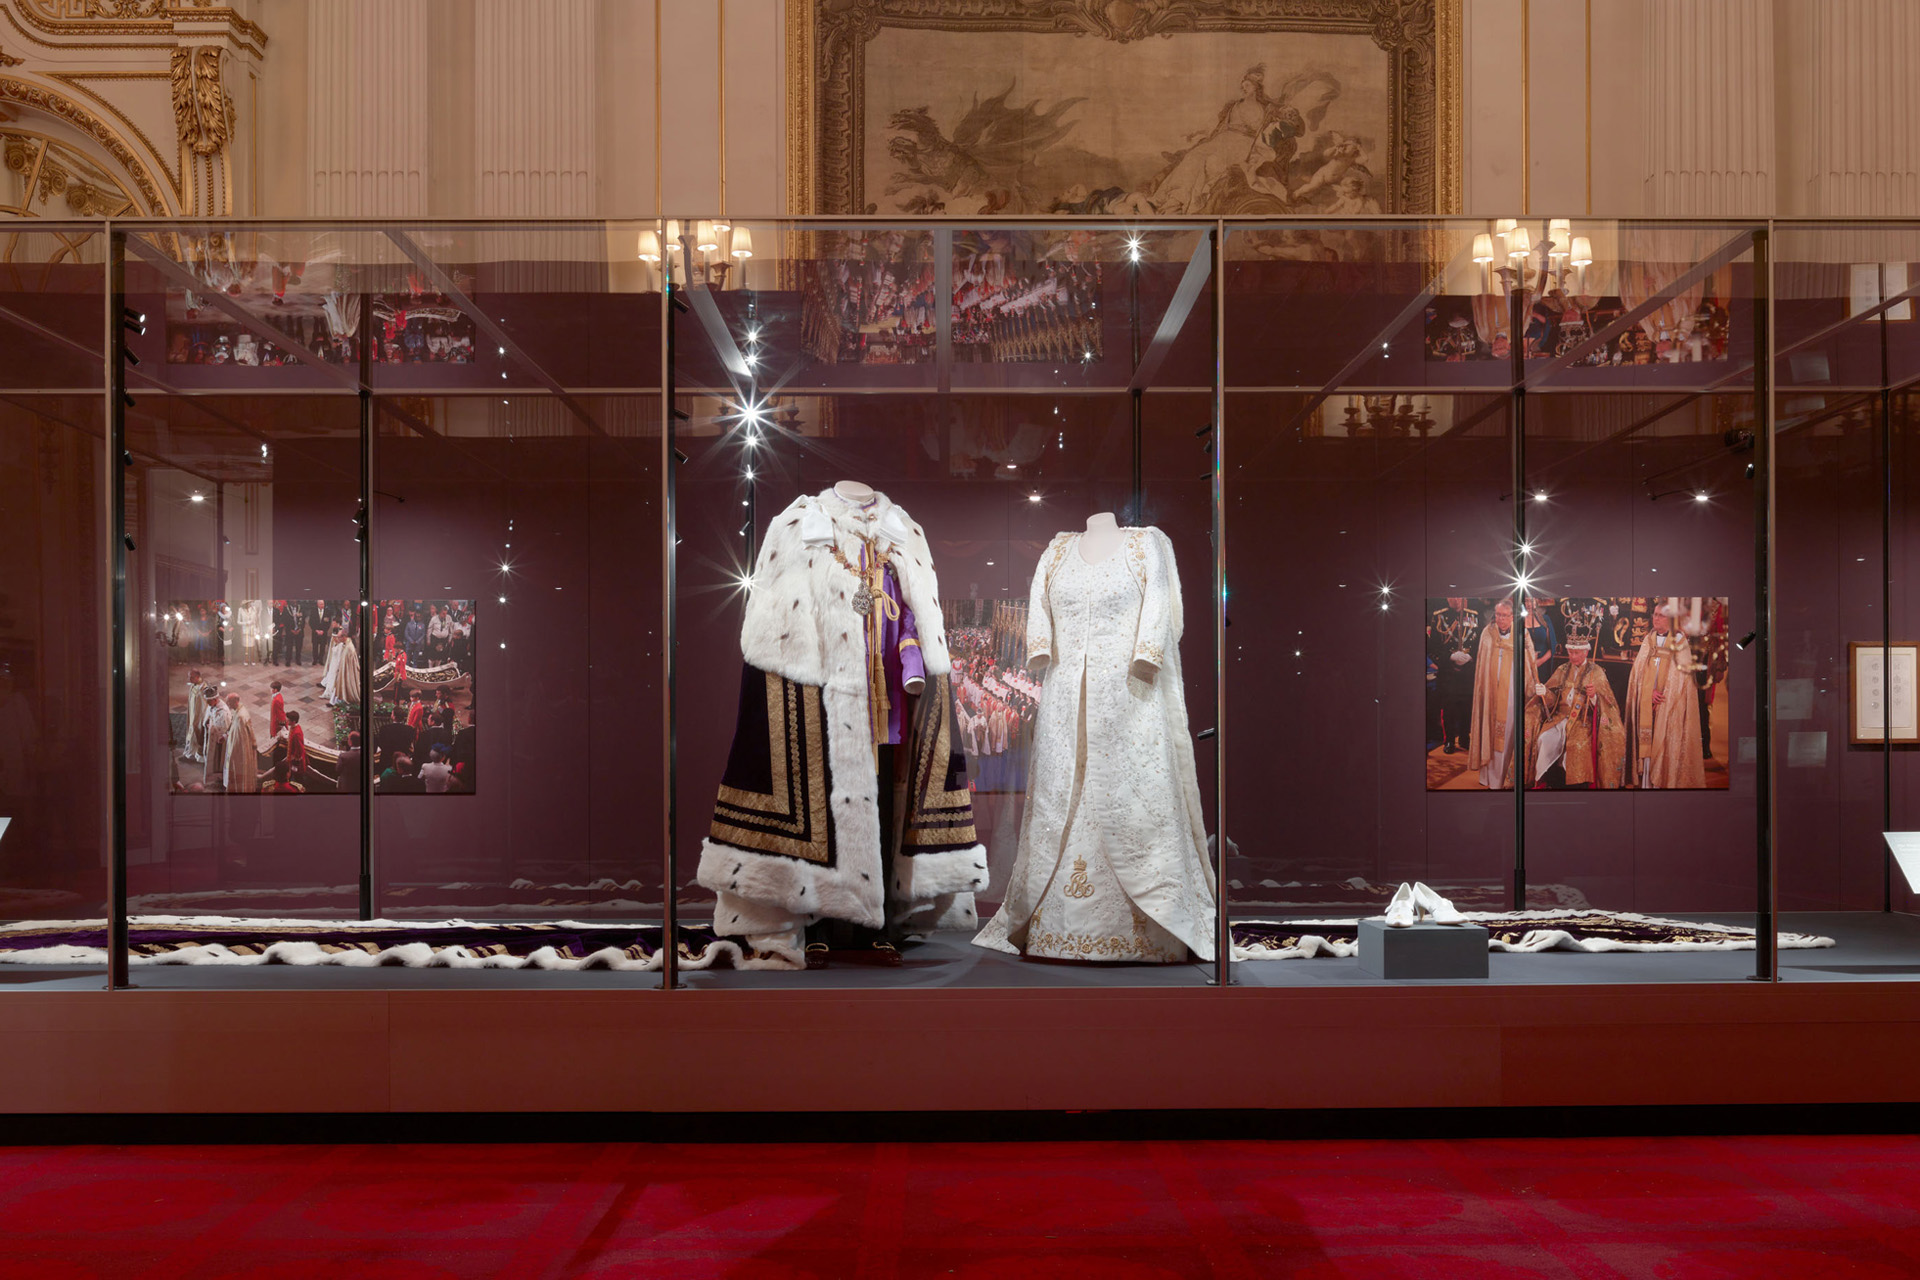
(1509, 255)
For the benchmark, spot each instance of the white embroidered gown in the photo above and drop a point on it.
(1112, 860)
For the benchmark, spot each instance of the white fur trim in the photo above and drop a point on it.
(932, 875)
(1739, 937)
(421, 953)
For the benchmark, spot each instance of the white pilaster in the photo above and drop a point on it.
(535, 104)
(1858, 149)
(368, 122)
(1710, 107)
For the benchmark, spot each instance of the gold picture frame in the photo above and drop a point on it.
(1419, 156)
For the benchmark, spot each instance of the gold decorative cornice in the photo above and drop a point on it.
(63, 18)
(8, 60)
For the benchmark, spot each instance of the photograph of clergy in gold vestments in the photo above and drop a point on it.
(1614, 693)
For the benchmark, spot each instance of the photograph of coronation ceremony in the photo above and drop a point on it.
(1019, 297)
(995, 699)
(1616, 693)
(264, 696)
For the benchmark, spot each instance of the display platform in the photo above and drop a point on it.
(1868, 946)
(1654, 1030)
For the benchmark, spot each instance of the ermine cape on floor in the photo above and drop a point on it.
(796, 833)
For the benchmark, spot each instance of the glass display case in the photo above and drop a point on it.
(1555, 566)
(54, 593)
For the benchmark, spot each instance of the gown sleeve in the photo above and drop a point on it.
(1161, 615)
(1040, 613)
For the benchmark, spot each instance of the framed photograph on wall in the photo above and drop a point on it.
(1882, 704)
(961, 107)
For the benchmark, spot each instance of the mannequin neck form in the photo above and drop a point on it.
(853, 491)
(1102, 537)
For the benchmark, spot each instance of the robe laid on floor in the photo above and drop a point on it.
(797, 833)
(1663, 742)
(1112, 862)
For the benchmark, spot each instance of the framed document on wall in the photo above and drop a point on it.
(1882, 701)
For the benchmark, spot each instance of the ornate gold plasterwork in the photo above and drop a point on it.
(42, 99)
(202, 110)
(50, 168)
(133, 18)
(75, 80)
(8, 60)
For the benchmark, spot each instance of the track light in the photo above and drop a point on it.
(1745, 640)
(135, 321)
(131, 358)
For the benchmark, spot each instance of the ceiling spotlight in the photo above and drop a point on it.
(1133, 248)
(198, 497)
(1700, 496)
(1033, 497)
(1745, 640)
(1540, 495)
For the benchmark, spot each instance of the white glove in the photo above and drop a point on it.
(1539, 691)
(1461, 658)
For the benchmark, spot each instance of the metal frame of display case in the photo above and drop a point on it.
(1762, 234)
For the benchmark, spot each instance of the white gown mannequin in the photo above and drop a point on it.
(1102, 538)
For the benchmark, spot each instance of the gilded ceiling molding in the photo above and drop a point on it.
(63, 18)
(8, 60)
(37, 97)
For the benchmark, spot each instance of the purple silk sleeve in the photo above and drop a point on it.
(899, 656)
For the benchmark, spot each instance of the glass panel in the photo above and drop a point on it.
(1841, 561)
(53, 618)
(996, 422)
(516, 549)
(1400, 474)
(1640, 517)
(517, 537)
(1366, 526)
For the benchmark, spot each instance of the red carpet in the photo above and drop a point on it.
(1672, 1208)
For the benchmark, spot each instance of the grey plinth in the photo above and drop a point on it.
(1423, 950)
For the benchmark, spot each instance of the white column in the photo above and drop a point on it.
(1710, 107)
(534, 104)
(1853, 142)
(367, 123)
